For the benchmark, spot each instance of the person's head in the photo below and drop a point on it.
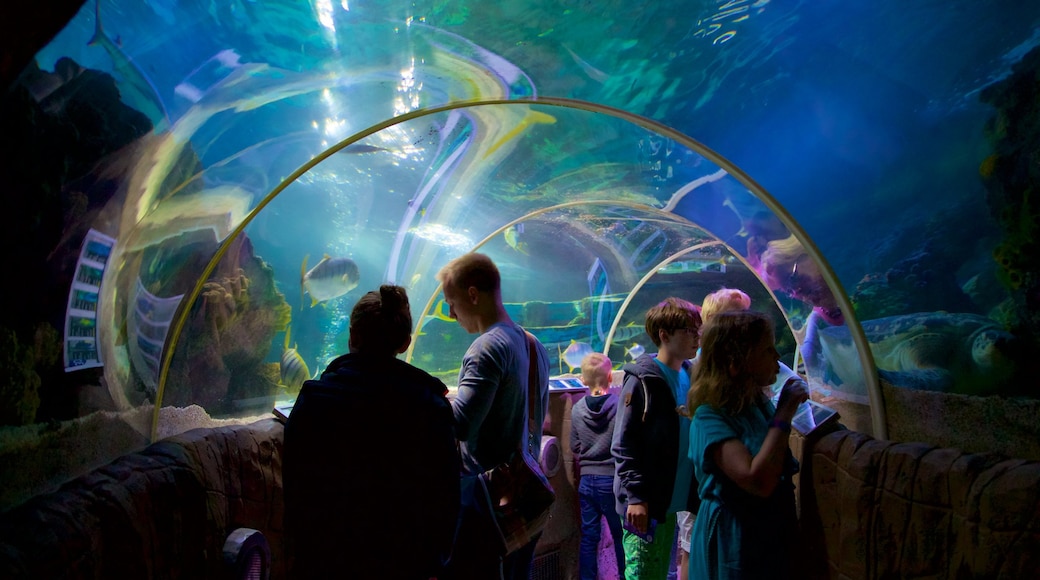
(738, 358)
(381, 322)
(472, 289)
(724, 300)
(595, 372)
(674, 326)
(786, 266)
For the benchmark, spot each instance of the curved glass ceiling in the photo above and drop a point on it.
(185, 167)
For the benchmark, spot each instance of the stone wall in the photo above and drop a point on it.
(869, 509)
(878, 509)
(164, 512)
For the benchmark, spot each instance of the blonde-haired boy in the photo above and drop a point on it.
(592, 425)
(595, 373)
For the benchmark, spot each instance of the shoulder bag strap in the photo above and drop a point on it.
(532, 387)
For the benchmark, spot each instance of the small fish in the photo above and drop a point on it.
(440, 312)
(415, 280)
(293, 370)
(623, 333)
(635, 351)
(592, 72)
(512, 235)
(532, 118)
(330, 278)
(575, 353)
(135, 88)
(361, 149)
(740, 218)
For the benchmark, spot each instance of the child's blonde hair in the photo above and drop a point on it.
(595, 370)
(724, 300)
(722, 378)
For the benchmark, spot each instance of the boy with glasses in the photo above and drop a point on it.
(651, 433)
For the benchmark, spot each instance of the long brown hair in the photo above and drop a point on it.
(725, 344)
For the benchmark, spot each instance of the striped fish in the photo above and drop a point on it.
(330, 278)
(293, 369)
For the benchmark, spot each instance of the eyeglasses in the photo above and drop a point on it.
(690, 331)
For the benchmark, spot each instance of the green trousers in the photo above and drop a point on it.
(649, 560)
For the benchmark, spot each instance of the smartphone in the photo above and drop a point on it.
(648, 537)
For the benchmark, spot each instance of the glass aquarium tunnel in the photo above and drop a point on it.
(570, 210)
(204, 190)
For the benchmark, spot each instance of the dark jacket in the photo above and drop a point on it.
(370, 468)
(645, 445)
(592, 426)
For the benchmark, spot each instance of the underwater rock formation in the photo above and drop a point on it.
(219, 357)
(1011, 175)
(58, 127)
(922, 281)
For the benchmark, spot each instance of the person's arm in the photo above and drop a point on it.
(478, 382)
(626, 447)
(759, 475)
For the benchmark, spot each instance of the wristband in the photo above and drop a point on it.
(781, 425)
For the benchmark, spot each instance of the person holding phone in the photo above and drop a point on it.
(746, 526)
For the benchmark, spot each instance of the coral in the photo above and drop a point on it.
(921, 281)
(1011, 176)
(220, 357)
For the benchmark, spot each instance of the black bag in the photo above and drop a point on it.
(517, 493)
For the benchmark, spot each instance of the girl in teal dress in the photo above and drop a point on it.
(740, 454)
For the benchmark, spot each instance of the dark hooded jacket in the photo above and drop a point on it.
(592, 426)
(370, 465)
(645, 444)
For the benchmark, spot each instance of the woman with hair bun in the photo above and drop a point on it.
(371, 468)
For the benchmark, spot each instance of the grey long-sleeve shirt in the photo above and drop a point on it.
(490, 405)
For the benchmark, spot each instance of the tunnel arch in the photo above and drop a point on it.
(519, 112)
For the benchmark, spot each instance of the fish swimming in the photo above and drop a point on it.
(575, 353)
(512, 235)
(135, 89)
(740, 218)
(592, 72)
(330, 278)
(635, 351)
(532, 118)
(361, 149)
(631, 330)
(440, 312)
(292, 369)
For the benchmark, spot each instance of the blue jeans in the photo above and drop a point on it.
(596, 496)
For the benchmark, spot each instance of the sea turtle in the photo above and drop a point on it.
(933, 351)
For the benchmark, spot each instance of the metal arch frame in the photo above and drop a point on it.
(653, 272)
(877, 410)
(613, 203)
